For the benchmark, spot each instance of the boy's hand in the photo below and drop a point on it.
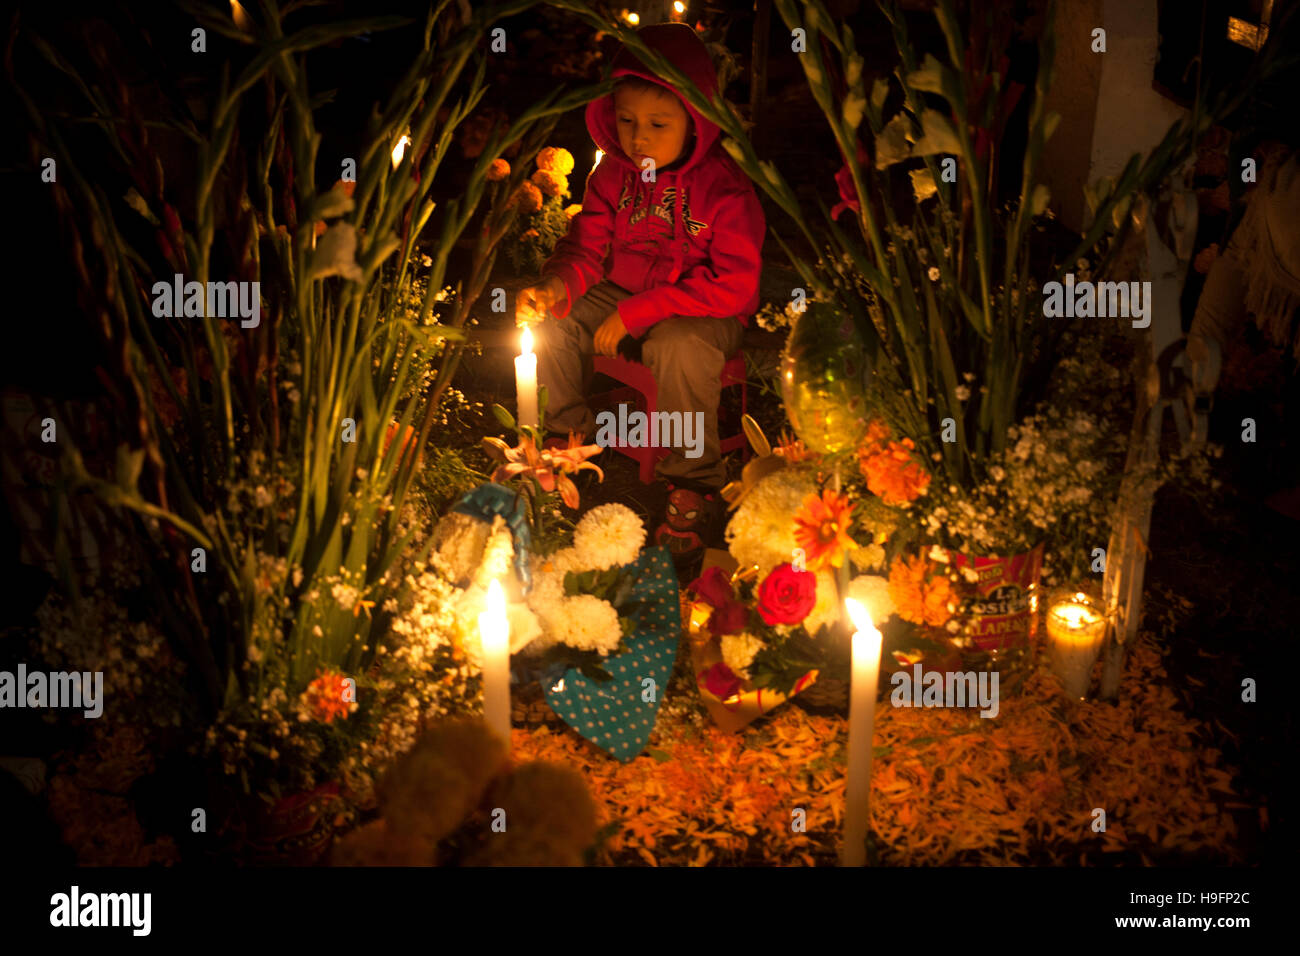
(609, 334)
(532, 303)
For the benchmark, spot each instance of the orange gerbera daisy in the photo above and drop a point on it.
(325, 696)
(822, 529)
(919, 596)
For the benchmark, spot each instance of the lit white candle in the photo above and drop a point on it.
(494, 630)
(1076, 630)
(526, 381)
(862, 720)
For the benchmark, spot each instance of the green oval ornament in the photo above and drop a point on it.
(824, 376)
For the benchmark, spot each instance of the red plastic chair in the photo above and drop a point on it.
(638, 378)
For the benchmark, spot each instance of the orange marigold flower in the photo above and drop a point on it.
(920, 597)
(528, 196)
(324, 697)
(555, 159)
(498, 171)
(892, 472)
(550, 183)
(822, 529)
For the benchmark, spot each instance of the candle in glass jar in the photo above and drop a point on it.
(494, 630)
(526, 381)
(1076, 630)
(862, 719)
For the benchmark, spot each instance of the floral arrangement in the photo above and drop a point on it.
(800, 546)
(578, 592)
(543, 218)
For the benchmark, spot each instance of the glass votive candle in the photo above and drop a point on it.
(1076, 630)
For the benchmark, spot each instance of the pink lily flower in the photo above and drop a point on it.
(551, 467)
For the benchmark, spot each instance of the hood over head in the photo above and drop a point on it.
(681, 45)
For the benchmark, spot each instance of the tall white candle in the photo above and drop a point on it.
(862, 720)
(526, 381)
(494, 630)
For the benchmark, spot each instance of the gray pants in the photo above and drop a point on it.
(686, 355)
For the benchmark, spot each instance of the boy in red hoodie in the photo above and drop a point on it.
(667, 251)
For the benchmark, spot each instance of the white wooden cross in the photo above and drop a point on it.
(1167, 235)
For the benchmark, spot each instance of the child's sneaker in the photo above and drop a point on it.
(691, 519)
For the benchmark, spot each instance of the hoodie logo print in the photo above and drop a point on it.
(693, 226)
(625, 196)
(662, 209)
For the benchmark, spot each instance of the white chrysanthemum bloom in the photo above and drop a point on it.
(498, 553)
(458, 542)
(827, 610)
(566, 559)
(739, 651)
(762, 530)
(584, 622)
(608, 536)
(872, 592)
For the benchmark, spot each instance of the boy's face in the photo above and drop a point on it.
(650, 124)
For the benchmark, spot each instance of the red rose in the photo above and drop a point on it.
(712, 587)
(787, 596)
(720, 681)
(729, 619)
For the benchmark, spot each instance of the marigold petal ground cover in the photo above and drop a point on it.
(948, 787)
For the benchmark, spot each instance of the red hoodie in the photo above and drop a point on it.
(699, 257)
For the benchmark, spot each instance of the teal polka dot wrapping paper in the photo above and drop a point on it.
(613, 714)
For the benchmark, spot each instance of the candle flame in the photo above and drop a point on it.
(400, 150)
(679, 6)
(600, 154)
(634, 18)
(1074, 615)
(240, 16)
(526, 340)
(860, 617)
